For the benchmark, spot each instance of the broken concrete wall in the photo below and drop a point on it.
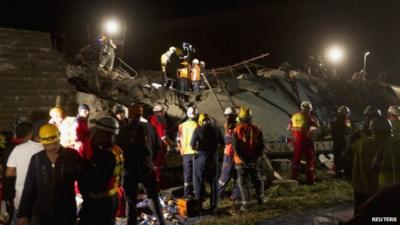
(32, 75)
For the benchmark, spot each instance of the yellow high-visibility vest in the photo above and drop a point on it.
(299, 122)
(185, 132)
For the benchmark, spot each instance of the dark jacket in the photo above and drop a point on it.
(206, 138)
(48, 197)
(140, 144)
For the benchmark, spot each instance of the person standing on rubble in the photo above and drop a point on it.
(48, 197)
(165, 63)
(101, 176)
(195, 75)
(183, 138)
(107, 54)
(367, 162)
(394, 117)
(159, 123)
(248, 147)
(370, 113)
(139, 142)
(183, 75)
(300, 126)
(205, 140)
(340, 129)
(227, 165)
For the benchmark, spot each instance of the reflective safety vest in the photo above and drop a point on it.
(396, 128)
(195, 73)
(246, 138)
(185, 133)
(390, 166)
(300, 122)
(183, 73)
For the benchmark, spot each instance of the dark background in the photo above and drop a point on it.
(226, 32)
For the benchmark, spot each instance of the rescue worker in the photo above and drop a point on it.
(248, 147)
(107, 54)
(387, 158)
(159, 123)
(300, 125)
(203, 74)
(227, 165)
(101, 177)
(366, 164)
(57, 116)
(188, 50)
(138, 142)
(82, 132)
(183, 76)
(394, 117)
(120, 115)
(205, 140)
(340, 129)
(195, 75)
(48, 197)
(165, 61)
(370, 113)
(183, 138)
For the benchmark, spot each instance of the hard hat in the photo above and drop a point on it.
(172, 49)
(394, 109)
(158, 108)
(344, 110)
(306, 105)
(372, 111)
(245, 113)
(135, 110)
(203, 117)
(195, 61)
(49, 134)
(380, 125)
(202, 63)
(56, 111)
(119, 109)
(84, 107)
(229, 111)
(108, 124)
(192, 112)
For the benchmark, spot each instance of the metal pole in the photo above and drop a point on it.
(365, 61)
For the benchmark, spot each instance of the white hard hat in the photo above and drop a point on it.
(394, 109)
(306, 105)
(202, 63)
(158, 108)
(172, 49)
(229, 111)
(344, 110)
(192, 112)
(195, 61)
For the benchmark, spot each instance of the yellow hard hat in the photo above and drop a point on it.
(245, 113)
(49, 134)
(56, 111)
(202, 117)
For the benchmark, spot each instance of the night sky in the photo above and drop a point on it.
(226, 32)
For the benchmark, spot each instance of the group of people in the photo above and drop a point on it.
(189, 75)
(198, 140)
(105, 164)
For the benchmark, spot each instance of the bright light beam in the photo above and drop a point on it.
(111, 26)
(335, 54)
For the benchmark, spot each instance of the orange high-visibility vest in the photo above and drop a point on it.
(195, 73)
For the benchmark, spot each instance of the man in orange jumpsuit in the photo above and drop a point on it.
(300, 125)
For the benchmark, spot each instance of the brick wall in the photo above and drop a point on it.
(32, 75)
